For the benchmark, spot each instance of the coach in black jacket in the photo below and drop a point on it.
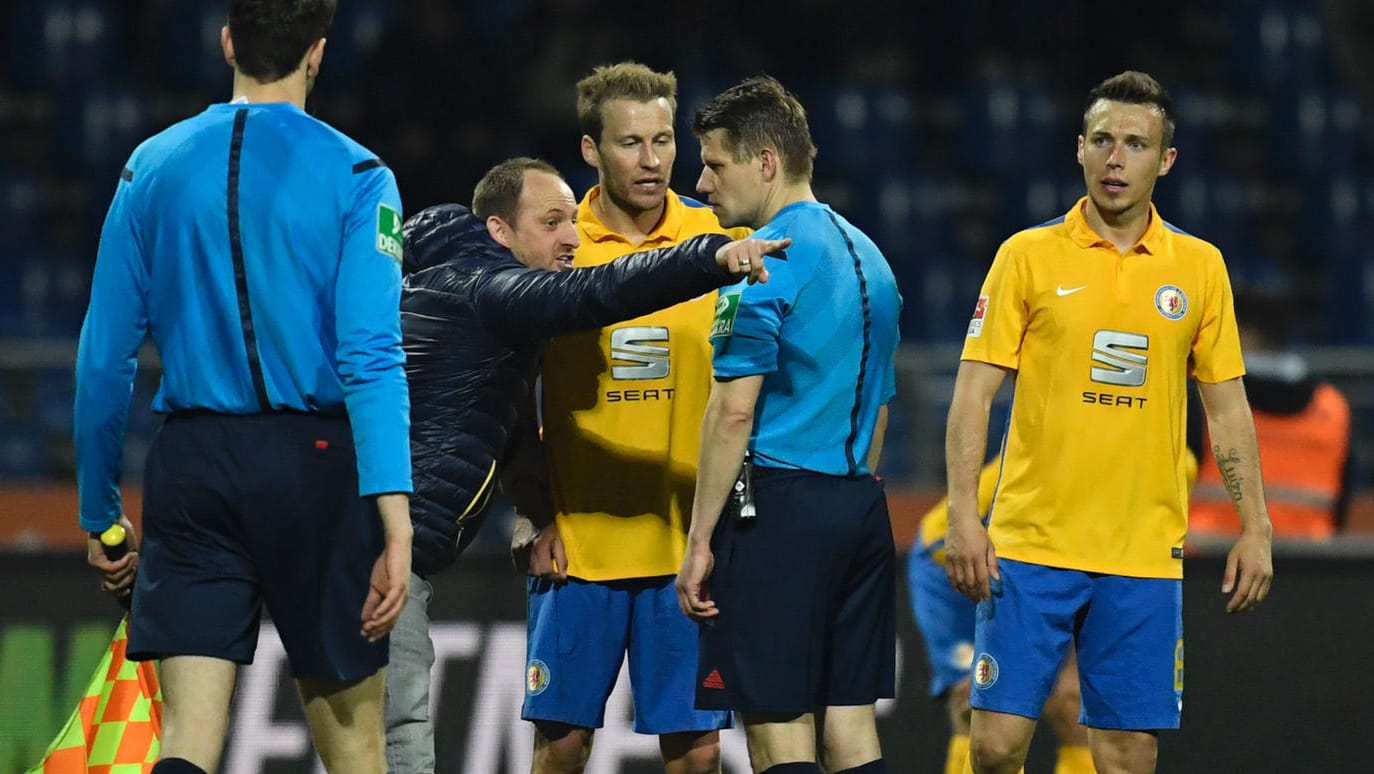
(482, 294)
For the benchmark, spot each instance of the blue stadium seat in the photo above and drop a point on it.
(190, 57)
(64, 42)
(1347, 308)
(864, 127)
(99, 128)
(358, 28)
(1007, 125)
(1032, 200)
(1193, 132)
(1276, 44)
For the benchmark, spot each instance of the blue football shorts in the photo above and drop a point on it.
(578, 636)
(1129, 634)
(945, 618)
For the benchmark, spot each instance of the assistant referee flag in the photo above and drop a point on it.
(116, 728)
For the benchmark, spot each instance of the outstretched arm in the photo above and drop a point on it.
(1231, 426)
(526, 303)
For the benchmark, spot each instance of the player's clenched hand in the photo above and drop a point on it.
(744, 257)
(970, 559)
(1249, 571)
(694, 584)
(548, 558)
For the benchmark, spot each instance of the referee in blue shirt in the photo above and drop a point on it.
(797, 581)
(260, 249)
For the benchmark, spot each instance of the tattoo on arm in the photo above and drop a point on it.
(1227, 464)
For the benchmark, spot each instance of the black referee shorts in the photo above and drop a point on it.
(806, 598)
(242, 511)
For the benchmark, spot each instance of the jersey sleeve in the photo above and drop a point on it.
(1216, 355)
(1001, 315)
(369, 359)
(107, 359)
(748, 322)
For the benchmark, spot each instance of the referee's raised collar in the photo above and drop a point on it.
(594, 230)
(1151, 242)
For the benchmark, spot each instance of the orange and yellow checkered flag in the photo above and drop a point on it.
(116, 727)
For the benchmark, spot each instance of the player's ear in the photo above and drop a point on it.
(1166, 161)
(589, 154)
(500, 230)
(226, 45)
(770, 163)
(1080, 150)
(313, 57)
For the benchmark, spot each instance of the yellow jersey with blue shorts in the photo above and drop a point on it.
(1102, 346)
(622, 410)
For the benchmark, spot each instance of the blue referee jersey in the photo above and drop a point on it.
(261, 250)
(822, 332)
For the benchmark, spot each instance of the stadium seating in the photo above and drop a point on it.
(939, 167)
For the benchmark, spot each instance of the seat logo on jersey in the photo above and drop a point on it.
(1171, 301)
(975, 325)
(727, 306)
(1116, 360)
(389, 232)
(649, 361)
(985, 671)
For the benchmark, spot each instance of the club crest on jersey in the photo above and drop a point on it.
(727, 306)
(985, 671)
(536, 677)
(975, 325)
(1171, 301)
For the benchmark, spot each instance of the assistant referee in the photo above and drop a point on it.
(260, 249)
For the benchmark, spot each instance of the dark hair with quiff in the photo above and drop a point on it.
(1135, 88)
(624, 80)
(756, 113)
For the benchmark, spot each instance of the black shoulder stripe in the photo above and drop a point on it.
(126, 175)
(363, 166)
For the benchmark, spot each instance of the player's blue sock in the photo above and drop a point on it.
(878, 766)
(176, 766)
(798, 767)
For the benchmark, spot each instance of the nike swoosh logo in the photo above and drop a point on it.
(1063, 291)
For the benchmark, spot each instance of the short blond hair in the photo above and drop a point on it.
(623, 80)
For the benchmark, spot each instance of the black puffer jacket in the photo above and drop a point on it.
(475, 321)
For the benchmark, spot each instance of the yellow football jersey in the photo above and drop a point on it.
(1102, 346)
(930, 536)
(622, 409)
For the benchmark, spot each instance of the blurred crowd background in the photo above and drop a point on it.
(943, 127)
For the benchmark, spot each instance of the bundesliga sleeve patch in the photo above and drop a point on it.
(389, 232)
(727, 306)
(975, 325)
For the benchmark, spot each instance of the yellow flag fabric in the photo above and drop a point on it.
(117, 726)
